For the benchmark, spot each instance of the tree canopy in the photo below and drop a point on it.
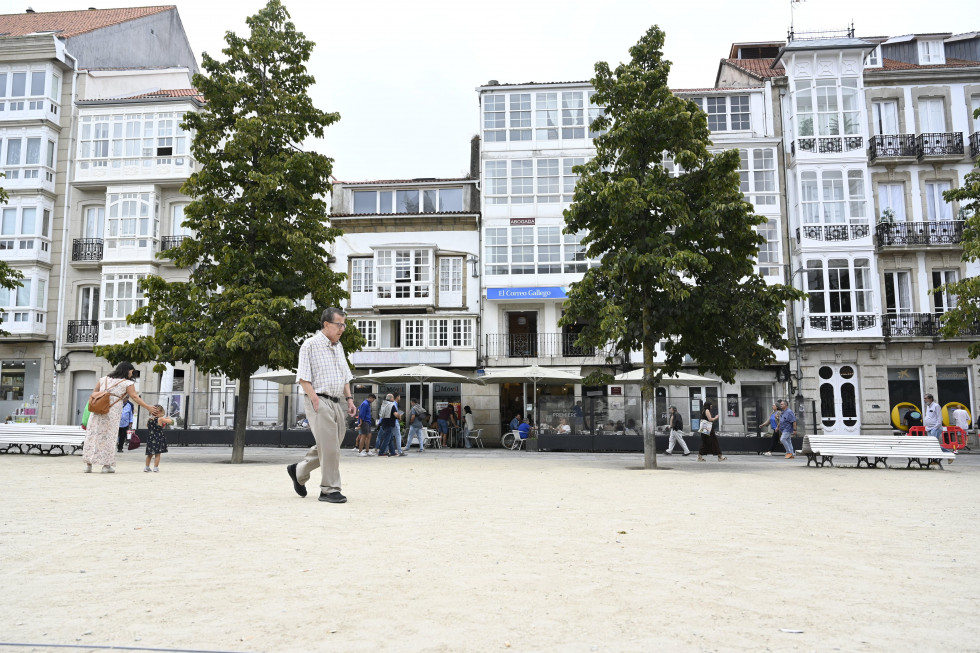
(258, 217)
(677, 243)
(965, 317)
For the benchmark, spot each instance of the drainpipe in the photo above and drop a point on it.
(60, 323)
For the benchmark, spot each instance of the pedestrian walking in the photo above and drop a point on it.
(156, 440)
(467, 426)
(416, 425)
(364, 426)
(325, 377)
(709, 440)
(773, 424)
(787, 427)
(387, 423)
(675, 427)
(933, 420)
(125, 423)
(102, 431)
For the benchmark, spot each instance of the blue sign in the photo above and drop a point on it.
(527, 293)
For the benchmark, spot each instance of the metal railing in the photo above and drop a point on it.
(946, 232)
(86, 249)
(910, 325)
(839, 323)
(892, 145)
(975, 144)
(83, 330)
(169, 242)
(543, 345)
(828, 144)
(948, 144)
(833, 232)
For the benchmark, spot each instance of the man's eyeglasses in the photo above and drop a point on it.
(339, 325)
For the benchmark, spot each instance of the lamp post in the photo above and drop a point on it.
(791, 323)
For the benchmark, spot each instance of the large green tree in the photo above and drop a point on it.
(676, 251)
(258, 215)
(9, 277)
(966, 316)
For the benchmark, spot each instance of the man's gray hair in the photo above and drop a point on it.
(389, 397)
(929, 396)
(329, 314)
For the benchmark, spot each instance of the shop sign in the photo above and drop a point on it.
(546, 292)
(518, 222)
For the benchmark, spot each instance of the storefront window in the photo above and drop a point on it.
(19, 390)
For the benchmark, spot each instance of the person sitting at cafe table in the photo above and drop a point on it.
(516, 422)
(524, 430)
(563, 426)
(631, 427)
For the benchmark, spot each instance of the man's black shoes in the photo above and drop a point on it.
(291, 470)
(333, 497)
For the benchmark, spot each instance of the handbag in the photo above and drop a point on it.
(100, 401)
(705, 427)
(134, 440)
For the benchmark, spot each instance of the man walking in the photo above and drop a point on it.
(787, 426)
(416, 425)
(387, 424)
(676, 426)
(325, 377)
(364, 426)
(933, 421)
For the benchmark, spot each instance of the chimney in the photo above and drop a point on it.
(475, 157)
(29, 11)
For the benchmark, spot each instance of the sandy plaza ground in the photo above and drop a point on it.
(490, 550)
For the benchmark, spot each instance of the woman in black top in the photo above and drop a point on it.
(709, 442)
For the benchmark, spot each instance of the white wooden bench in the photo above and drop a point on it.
(821, 449)
(45, 438)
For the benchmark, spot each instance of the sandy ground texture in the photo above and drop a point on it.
(488, 551)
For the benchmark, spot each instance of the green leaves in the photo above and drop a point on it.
(676, 252)
(258, 214)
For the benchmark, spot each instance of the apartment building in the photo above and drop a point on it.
(46, 62)
(532, 137)
(410, 249)
(874, 131)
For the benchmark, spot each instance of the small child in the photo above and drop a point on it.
(156, 441)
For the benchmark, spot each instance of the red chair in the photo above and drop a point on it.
(954, 438)
(917, 430)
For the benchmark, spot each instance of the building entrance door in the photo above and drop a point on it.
(522, 334)
(221, 401)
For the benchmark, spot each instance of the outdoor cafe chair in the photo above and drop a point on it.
(432, 438)
(512, 440)
(475, 435)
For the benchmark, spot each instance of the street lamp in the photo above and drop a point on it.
(791, 323)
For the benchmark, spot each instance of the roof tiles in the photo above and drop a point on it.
(71, 23)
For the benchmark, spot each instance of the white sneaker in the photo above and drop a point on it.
(371, 453)
(156, 469)
(146, 469)
(766, 453)
(88, 468)
(108, 470)
(362, 454)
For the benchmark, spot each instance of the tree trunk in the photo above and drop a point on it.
(241, 418)
(648, 400)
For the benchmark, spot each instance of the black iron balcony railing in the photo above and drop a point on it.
(833, 232)
(169, 242)
(545, 345)
(828, 144)
(86, 249)
(843, 322)
(83, 330)
(975, 144)
(911, 325)
(946, 232)
(892, 145)
(950, 144)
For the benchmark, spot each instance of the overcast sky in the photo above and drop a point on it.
(402, 74)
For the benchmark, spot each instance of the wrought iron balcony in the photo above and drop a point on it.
(946, 232)
(83, 330)
(843, 322)
(544, 345)
(975, 144)
(169, 242)
(911, 325)
(892, 146)
(86, 249)
(829, 144)
(833, 232)
(949, 144)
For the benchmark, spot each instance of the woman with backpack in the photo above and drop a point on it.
(99, 447)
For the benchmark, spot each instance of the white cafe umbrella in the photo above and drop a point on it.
(678, 378)
(533, 373)
(285, 377)
(418, 374)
